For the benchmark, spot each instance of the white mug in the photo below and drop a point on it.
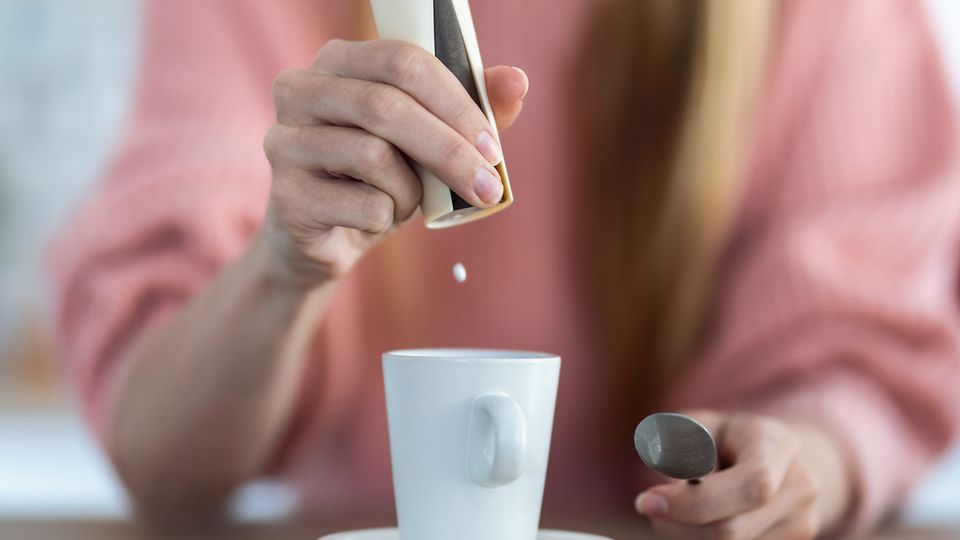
(469, 439)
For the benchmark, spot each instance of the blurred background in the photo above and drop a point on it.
(65, 75)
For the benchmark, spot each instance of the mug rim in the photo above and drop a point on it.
(470, 355)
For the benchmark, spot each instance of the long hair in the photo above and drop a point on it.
(667, 89)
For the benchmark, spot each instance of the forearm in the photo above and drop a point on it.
(201, 401)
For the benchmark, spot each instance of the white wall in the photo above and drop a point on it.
(938, 498)
(945, 15)
(65, 69)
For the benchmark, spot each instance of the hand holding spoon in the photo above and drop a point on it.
(676, 446)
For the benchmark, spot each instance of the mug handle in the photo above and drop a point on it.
(504, 461)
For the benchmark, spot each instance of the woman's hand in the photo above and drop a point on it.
(770, 490)
(344, 126)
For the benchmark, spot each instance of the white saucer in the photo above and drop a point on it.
(393, 534)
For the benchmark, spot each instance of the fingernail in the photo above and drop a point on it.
(526, 81)
(487, 186)
(489, 148)
(652, 504)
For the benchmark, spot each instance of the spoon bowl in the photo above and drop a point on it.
(676, 445)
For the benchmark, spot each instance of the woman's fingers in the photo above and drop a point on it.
(762, 451)
(342, 151)
(739, 489)
(796, 498)
(506, 87)
(418, 73)
(346, 130)
(767, 493)
(786, 512)
(393, 115)
(311, 204)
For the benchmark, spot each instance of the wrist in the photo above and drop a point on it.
(276, 263)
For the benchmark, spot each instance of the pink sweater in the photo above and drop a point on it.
(839, 300)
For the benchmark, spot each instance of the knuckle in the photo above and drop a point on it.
(377, 211)
(283, 195)
(407, 64)
(809, 485)
(272, 143)
(466, 114)
(409, 199)
(285, 86)
(456, 150)
(462, 160)
(404, 212)
(759, 488)
(381, 102)
(375, 154)
(331, 47)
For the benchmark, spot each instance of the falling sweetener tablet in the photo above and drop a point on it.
(459, 272)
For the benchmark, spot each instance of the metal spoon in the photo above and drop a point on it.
(676, 445)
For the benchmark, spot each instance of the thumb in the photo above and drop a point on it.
(506, 87)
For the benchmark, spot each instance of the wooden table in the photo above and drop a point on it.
(311, 530)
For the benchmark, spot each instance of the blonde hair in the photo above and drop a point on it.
(670, 88)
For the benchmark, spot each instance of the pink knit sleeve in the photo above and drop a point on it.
(840, 303)
(185, 191)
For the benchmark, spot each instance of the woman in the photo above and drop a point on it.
(747, 209)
